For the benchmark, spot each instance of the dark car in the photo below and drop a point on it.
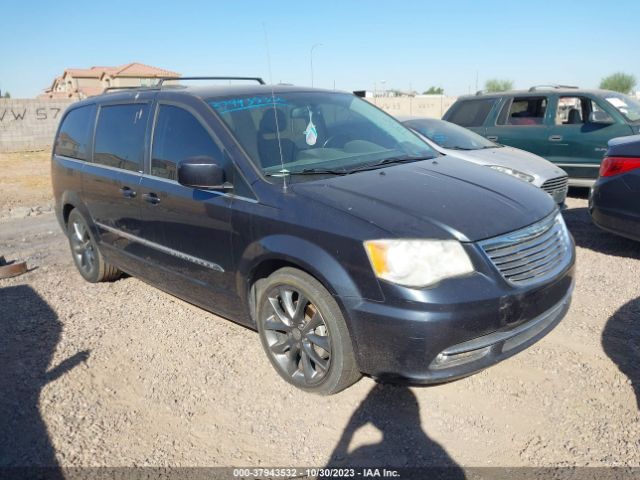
(317, 219)
(568, 126)
(614, 200)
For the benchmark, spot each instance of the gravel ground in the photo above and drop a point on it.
(122, 374)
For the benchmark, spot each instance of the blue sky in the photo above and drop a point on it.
(400, 43)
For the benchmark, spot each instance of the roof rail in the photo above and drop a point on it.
(553, 85)
(177, 79)
(140, 87)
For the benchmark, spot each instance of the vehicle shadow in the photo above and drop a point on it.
(29, 333)
(621, 342)
(587, 235)
(395, 412)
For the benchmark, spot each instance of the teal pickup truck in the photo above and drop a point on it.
(566, 125)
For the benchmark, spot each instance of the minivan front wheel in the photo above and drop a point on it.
(85, 252)
(304, 333)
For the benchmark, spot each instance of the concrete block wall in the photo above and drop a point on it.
(29, 124)
(432, 106)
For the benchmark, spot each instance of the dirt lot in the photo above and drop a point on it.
(121, 374)
(25, 185)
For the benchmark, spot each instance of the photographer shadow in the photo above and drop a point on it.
(395, 412)
(29, 334)
(621, 342)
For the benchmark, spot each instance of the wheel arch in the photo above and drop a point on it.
(70, 201)
(267, 255)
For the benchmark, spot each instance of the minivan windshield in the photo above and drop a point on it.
(317, 133)
(627, 106)
(449, 135)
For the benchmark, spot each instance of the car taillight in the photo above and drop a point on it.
(616, 165)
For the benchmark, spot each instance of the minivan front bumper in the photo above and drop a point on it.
(425, 344)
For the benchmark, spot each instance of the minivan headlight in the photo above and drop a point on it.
(514, 173)
(417, 263)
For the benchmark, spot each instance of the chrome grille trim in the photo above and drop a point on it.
(533, 254)
(554, 184)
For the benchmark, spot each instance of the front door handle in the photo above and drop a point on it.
(555, 138)
(127, 192)
(493, 138)
(151, 198)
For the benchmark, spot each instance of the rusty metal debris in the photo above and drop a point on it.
(11, 268)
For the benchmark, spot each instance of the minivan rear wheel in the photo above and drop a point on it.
(85, 252)
(304, 334)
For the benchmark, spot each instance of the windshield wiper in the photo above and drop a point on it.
(309, 171)
(388, 161)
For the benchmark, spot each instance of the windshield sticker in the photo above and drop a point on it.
(236, 104)
(311, 134)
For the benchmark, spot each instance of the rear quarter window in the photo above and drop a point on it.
(471, 113)
(75, 133)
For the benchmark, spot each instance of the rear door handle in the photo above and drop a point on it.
(151, 198)
(127, 192)
(555, 138)
(493, 138)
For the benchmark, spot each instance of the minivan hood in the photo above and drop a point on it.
(440, 198)
(515, 158)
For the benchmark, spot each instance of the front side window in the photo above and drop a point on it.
(572, 110)
(75, 133)
(471, 113)
(579, 111)
(306, 132)
(178, 135)
(120, 136)
(524, 111)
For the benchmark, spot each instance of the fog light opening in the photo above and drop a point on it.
(445, 360)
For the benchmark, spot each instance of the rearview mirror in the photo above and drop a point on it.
(202, 172)
(603, 118)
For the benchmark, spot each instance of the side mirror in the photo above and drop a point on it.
(600, 117)
(202, 172)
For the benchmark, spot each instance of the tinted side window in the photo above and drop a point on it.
(178, 135)
(75, 133)
(120, 136)
(524, 111)
(471, 113)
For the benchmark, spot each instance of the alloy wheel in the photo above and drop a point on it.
(297, 336)
(82, 247)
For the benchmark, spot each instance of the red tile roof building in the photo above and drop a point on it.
(86, 82)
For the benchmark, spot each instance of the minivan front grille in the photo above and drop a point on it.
(533, 254)
(556, 184)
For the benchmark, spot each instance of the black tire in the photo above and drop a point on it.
(85, 252)
(308, 343)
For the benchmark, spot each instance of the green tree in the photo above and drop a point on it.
(7, 95)
(618, 82)
(498, 85)
(434, 91)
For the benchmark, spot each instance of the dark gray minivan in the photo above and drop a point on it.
(317, 219)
